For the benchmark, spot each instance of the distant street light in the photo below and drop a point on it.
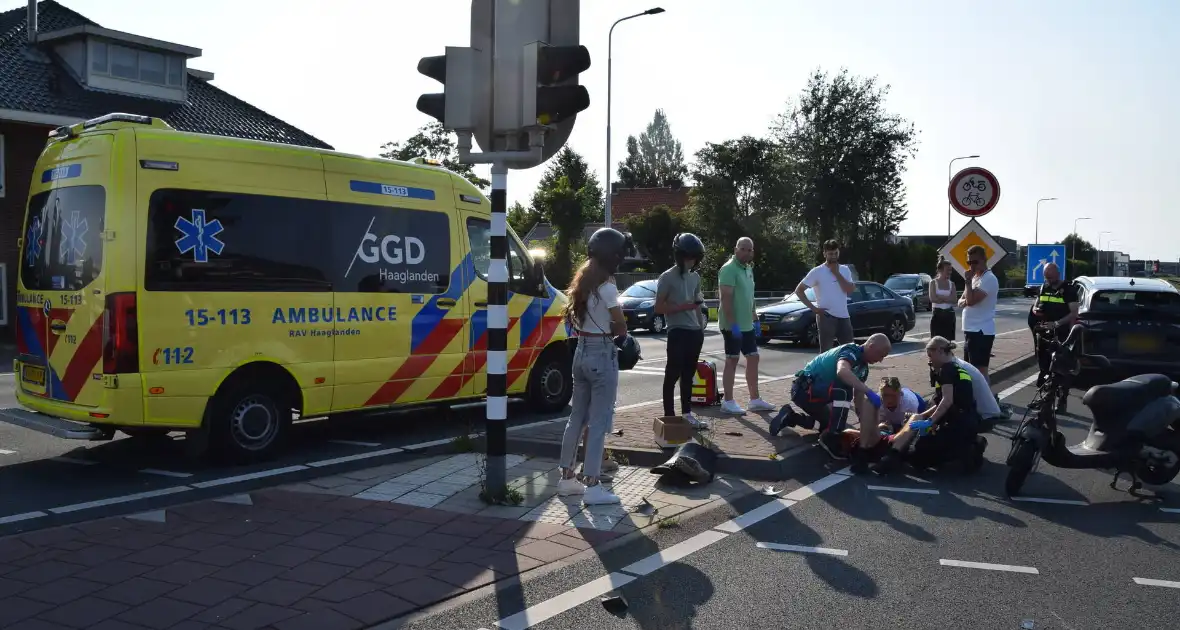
(1098, 254)
(949, 174)
(1037, 225)
(610, 38)
(1073, 250)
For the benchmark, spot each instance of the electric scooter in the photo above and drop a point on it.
(1136, 426)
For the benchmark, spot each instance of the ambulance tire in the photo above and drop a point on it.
(251, 415)
(551, 381)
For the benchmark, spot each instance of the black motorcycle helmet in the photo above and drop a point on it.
(609, 247)
(687, 245)
(629, 352)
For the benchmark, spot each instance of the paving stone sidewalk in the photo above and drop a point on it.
(335, 553)
(744, 440)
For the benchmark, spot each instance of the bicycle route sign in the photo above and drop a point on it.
(974, 192)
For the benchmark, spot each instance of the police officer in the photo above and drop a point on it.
(1056, 306)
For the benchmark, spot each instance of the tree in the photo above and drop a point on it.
(653, 231)
(846, 155)
(565, 208)
(1079, 248)
(434, 142)
(569, 164)
(740, 188)
(655, 159)
(522, 219)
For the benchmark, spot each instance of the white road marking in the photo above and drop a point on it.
(1053, 501)
(236, 499)
(4, 451)
(352, 458)
(16, 518)
(72, 460)
(65, 509)
(582, 594)
(354, 443)
(1018, 386)
(575, 597)
(667, 556)
(896, 489)
(165, 473)
(1013, 568)
(1171, 510)
(660, 401)
(1150, 582)
(154, 516)
(248, 477)
(799, 549)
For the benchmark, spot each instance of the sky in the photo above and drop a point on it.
(1069, 99)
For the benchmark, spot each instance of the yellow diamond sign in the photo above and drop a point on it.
(972, 234)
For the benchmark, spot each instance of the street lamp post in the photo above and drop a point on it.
(609, 44)
(1073, 250)
(1037, 224)
(1098, 254)
(1110, 244)
(949, 174)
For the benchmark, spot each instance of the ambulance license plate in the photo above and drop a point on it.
(33, 375)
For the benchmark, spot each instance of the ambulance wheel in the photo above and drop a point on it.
(551, 382)
(251, 414)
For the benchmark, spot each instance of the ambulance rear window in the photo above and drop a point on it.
(63, 239)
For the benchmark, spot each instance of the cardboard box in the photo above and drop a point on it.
(671, 431)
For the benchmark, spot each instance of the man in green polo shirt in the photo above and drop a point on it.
(738, 324)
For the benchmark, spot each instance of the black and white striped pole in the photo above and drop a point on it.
(497, 363)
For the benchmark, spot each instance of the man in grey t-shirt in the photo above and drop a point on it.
(678, 301)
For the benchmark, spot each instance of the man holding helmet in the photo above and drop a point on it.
(679, 299)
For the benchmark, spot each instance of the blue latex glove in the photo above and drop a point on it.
(736, 331)
(757, 330)
(921, 426)
(874, 398)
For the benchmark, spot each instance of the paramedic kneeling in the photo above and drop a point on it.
(829, 386)
(947, 429)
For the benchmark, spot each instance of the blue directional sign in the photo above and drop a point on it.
(1041, 255)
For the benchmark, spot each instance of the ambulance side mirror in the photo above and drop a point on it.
(538, 275)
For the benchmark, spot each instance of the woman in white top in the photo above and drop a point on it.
(594, 313)
(942, 296)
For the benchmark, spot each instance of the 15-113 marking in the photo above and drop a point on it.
(205, 317)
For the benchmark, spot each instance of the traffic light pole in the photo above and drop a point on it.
(497, 406)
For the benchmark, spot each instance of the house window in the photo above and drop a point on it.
(136, 65)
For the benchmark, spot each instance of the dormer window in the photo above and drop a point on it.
(123, 62)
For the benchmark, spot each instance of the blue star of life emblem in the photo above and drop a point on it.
(200, 237)
(33, 242)
(72, 246)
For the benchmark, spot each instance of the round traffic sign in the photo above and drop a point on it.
(974, 192)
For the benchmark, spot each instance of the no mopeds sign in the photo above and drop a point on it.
(974, 192)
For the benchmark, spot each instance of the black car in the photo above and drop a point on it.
(1133, 322)
(639, 307)
(872, 307)
(915, 286)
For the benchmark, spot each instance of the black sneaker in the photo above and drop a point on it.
(1062, 404)
(784, 418)
(860, 461)
(888, 463)
(831, 443)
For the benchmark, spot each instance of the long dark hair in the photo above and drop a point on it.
(588, 278)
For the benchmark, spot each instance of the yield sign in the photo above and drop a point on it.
(972, 234)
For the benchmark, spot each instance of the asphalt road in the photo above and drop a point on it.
(46, 481)
(937, 551)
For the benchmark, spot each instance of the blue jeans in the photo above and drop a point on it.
(596, 384)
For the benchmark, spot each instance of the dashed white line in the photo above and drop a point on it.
(4, 451)
(1013, 568)
(575, 597)
(352, 458)
(1171, 510)
(1052, 501)
(16, 518)
(73, 460)
(800, 549)
(116, 500)
(355, 443)
(898, 489)
(1018, 386)
(680, 550)
(1150, 582)
(249, 476)
(165, 473)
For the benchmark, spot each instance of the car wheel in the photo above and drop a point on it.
(897, 330)
(811, 337)
(551, 380)
(658, 324)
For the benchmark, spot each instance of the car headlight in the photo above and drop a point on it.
(793, 316)
(647, 304)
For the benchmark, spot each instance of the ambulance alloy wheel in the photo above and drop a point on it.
(250, 418)
(551, 383)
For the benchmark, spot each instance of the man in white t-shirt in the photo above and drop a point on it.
(832, 284)
(980, 290)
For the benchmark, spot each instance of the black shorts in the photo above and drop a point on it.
(979, 349)
(746, 345)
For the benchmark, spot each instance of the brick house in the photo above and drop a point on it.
(59, 68)
(629, 201)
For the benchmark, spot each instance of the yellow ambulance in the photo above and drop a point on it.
(178, 281)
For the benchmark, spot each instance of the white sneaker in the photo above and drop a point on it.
(761, 405)
(696, 422)
(570, 487)
(597, 495)
(731, 406)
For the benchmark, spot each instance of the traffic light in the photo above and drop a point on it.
(557, 96)
(454, 107)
